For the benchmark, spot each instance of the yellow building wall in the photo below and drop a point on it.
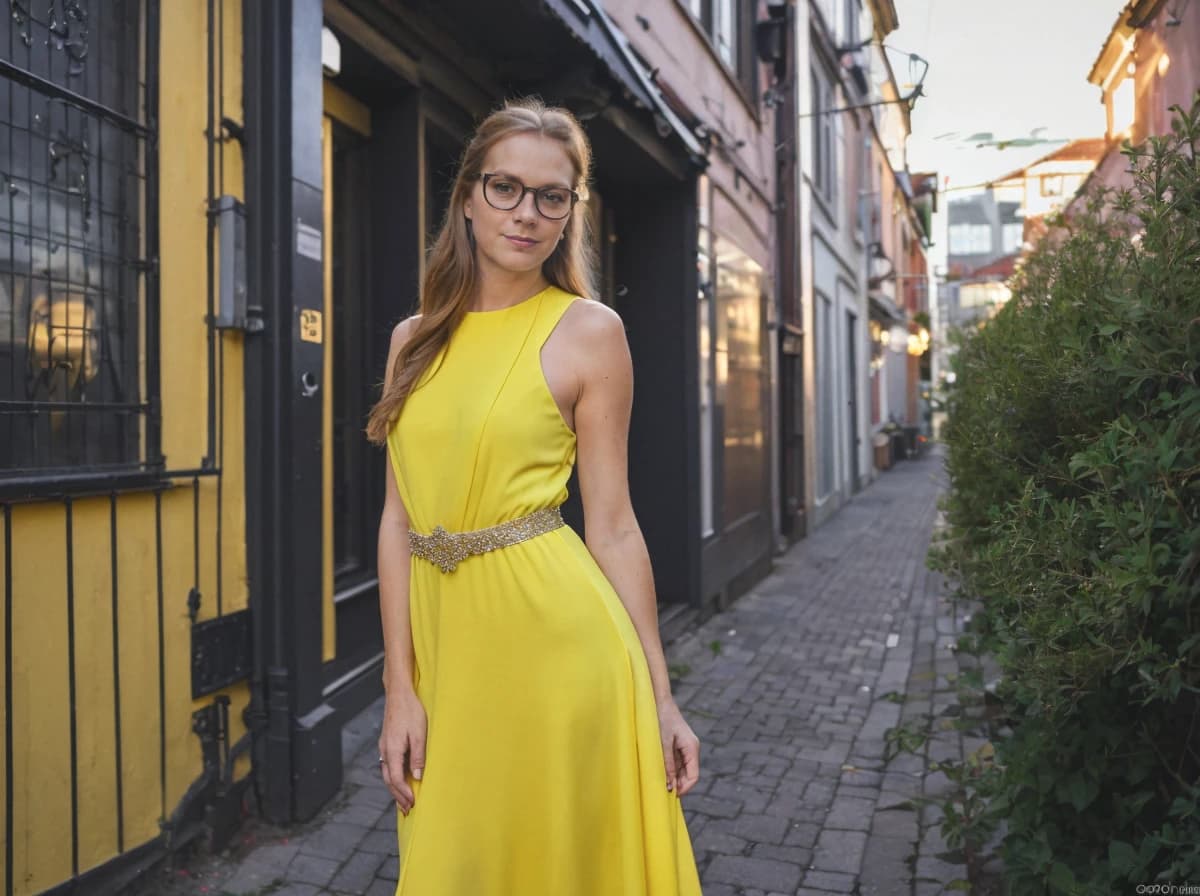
(117, 686)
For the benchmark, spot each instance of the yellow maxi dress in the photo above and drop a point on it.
(544, 770)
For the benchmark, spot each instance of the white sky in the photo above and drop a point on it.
(1006, 67)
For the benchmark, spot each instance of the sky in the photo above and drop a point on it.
(1001, 67)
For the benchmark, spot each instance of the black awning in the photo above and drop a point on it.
(883, 308)
(593, 28)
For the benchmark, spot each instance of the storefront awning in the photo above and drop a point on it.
(593, 28)
(884, 309)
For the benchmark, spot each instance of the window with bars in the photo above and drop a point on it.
(78, 342)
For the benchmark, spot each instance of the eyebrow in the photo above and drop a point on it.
(510, 176)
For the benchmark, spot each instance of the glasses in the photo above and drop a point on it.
(506, 193)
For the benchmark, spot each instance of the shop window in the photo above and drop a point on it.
(741, 379)
(78, 341)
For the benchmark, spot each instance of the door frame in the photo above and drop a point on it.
(342, 108)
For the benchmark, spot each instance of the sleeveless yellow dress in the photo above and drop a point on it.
(544, 769)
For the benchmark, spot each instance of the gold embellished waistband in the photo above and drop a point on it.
(448, 549)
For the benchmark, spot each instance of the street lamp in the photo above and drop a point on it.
(880, 268)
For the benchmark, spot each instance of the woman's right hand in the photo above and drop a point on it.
(402, 746)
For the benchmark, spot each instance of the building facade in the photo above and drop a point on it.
(989, 232)
(703, 57)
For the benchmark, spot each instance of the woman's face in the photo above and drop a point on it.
(520, 239)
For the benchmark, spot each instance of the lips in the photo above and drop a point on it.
(520, 241)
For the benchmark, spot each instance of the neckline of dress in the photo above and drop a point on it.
(499, 311)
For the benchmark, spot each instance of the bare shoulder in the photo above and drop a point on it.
(594, 330)
(403, 331)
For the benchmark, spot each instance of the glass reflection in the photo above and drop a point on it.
(740, 378)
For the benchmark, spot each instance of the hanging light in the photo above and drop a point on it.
(918, 343)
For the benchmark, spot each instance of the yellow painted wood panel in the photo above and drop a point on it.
(183, 171)
(183, 758)
(137, 621)
(232, 544)
(94, 691)
(41, 721)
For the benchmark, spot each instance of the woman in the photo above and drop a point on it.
(530, 738)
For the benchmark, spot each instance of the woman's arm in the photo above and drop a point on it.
(403, 734)
(602, 414)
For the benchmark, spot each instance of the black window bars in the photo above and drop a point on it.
(78, 240)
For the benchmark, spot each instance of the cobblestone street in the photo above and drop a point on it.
(791, 691)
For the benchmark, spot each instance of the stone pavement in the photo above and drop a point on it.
(791, 691)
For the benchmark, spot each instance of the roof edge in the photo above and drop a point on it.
(1136, 14)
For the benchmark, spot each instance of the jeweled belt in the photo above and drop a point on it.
(448, 549)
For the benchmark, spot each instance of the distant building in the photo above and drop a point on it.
(977, 294)
(989, 232)
(980, 229)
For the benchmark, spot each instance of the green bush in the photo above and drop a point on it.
(1074, 458)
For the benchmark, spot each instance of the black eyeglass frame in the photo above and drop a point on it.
(485, 176)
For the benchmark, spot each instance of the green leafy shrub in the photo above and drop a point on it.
(1074, 510)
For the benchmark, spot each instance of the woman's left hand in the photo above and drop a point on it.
(681, 748)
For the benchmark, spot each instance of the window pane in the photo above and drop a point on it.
(817, 155)
(704, 315)
(970, 239)
(1013, 235)
(725, 31)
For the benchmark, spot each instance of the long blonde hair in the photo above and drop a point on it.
(451, 272)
